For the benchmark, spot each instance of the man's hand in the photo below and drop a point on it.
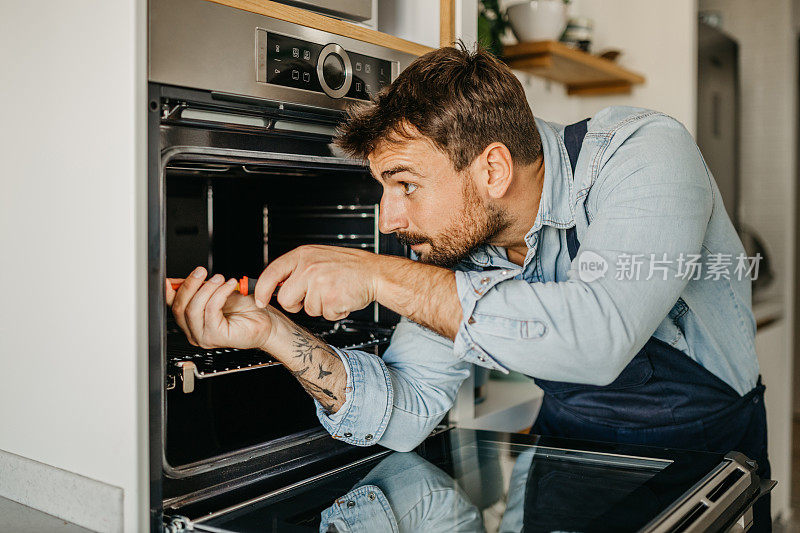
(333, 282)
(326, 281)
(214, 315)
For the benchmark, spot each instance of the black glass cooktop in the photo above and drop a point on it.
(467, 480)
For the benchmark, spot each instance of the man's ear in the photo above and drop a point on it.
(498, 168)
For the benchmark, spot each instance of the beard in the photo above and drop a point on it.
(476, 225)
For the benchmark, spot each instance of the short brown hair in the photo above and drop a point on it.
(461, 100)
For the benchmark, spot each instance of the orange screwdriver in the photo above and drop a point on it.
(245, 286)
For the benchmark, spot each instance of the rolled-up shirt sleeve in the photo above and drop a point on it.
(651, 201)
(365, 508)
(471, 287)
(363, 417)
(397, 400)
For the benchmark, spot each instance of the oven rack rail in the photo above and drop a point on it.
(187, 363)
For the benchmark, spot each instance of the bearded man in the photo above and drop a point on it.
(559, 252)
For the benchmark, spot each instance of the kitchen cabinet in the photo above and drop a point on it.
(447, 23)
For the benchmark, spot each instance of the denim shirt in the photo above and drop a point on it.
(642, 195)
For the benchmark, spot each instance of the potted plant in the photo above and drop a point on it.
(492, 24)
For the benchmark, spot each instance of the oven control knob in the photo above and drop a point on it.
(334, 71)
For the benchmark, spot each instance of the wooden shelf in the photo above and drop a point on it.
(583, 74)
(325, 23)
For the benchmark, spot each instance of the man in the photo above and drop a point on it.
(589, 258)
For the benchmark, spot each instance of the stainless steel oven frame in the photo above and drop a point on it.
(203, 45)
(194, 143)
(206, 72)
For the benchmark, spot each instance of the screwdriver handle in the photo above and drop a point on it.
(245, 286)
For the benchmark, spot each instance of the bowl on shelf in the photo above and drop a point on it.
(538, 20)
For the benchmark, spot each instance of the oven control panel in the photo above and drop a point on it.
(328, 69)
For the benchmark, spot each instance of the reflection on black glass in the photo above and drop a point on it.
(404, 492)
(573, 496)
(464, 483)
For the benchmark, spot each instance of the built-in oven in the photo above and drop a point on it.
(242, 110)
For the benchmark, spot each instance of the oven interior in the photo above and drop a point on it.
(233, 216)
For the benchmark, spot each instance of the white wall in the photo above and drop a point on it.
(414, 20)
(72, 208)
(467, 21)
(658, 39)
(768, 57)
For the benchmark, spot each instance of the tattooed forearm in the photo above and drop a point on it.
(307, 350)
(322, 372)
(325, 396)
(313, 363)
(303, 347)
(306, 344)
(313, 388)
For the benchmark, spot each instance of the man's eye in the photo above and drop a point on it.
(408, 188)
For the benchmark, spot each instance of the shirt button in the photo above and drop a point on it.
(371, 496)
(368, 436)
(471, 320)
(351, 504)
(504, 272)
(348, 435)
(484, 281)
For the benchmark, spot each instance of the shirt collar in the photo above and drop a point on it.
(555, 207)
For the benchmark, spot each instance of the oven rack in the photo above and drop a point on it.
(187, 363)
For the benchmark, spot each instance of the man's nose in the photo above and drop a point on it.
(392, 217)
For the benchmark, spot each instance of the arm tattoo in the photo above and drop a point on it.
(323, 373)
(310, 352)
(305, 343)
(311, 387)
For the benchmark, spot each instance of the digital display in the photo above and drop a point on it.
(370, 75)
(293, 63)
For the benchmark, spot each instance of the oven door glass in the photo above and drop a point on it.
(467, 480)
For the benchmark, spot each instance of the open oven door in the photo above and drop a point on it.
(470, 480)
(232, 210)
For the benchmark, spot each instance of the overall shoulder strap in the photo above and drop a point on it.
(573, 139)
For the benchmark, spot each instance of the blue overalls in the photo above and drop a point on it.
(661, 398)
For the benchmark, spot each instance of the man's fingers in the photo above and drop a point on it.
(195, 310)
(291, 295)
(332, 315)
(214, 317)
(184, 295)
(170, 292)
(312, 304)
(275, 273)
